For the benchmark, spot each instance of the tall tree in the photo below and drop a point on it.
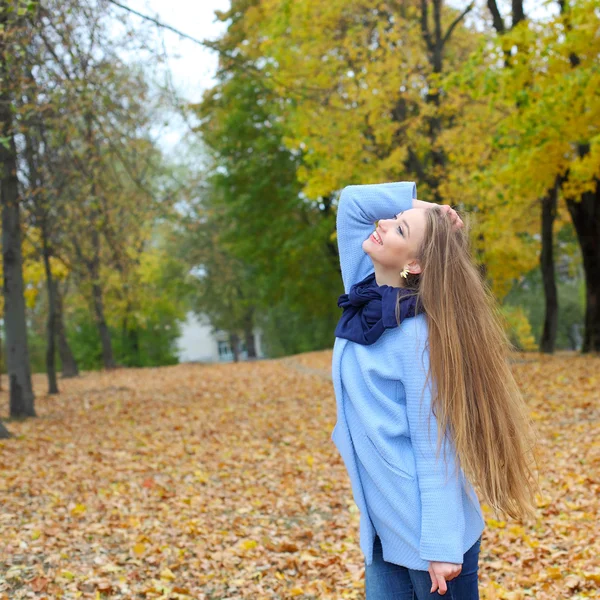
(547, 203)
(101, 174)
(543, 117)
(21, 395)
(584, 205)
(255, 191)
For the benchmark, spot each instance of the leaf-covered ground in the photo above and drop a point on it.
(221, 482)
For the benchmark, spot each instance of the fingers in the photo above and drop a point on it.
(439, 583)
(433, 579)
(453, 215)
(439, 579)
(446, 210)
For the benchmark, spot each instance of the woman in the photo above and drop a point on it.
(416, 311)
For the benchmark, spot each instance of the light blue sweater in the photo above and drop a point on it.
(383, 438)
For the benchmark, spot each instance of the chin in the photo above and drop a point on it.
(366, 245)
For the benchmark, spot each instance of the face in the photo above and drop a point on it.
(399, 239)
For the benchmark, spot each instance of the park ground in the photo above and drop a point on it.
(221, 482)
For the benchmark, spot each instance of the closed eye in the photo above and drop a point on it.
(399, 228)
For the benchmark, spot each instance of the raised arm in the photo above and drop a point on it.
(358, 208)
(442, 518)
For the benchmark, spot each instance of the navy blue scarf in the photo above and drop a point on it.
(370, 309)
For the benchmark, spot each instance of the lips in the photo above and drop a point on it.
(377, 238)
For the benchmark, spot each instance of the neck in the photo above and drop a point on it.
(391, 278)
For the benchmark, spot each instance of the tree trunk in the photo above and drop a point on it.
(134, 344)
(249, 335)
(130, 339)
(4, 433)
(435, 40)
(518, 15)
(1, 360)
(575, 336)
(41, 209)
(51, 327)
(69, 364)
(94, 267)
(17, 352)
(107, 353)
(585, 214)
(250, 343)
(234, 339)
(548, 339)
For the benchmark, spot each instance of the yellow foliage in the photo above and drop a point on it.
(519, 327)
(360, 113)
(34, 271)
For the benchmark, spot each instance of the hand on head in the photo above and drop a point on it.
(452, 215)
(446, 210)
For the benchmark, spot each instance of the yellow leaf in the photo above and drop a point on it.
(554, 572)
(167, 574)
(249, 544)
(111, 568)
(35, 534)
(297, 591)
(139, 548)
(516, 530)
(78, 509)
(496, 524)
(201, 476)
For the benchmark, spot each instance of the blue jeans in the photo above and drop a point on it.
(388, 581)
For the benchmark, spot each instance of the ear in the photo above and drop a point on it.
(414, 267)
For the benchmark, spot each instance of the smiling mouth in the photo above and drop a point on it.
(376, 237)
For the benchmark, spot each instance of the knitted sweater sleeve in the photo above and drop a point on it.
(359, 207)
(442, 517)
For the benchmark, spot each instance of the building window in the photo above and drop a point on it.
(225, 352)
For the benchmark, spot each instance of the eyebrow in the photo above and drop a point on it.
(404, 221)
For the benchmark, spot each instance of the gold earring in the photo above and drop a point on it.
(404, 273)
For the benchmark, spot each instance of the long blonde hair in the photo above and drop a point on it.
(475, 397)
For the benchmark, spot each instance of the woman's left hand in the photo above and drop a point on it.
(441, 572)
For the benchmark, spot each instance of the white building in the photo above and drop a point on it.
(198, 343)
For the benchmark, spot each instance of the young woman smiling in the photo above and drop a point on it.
(420, 364)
